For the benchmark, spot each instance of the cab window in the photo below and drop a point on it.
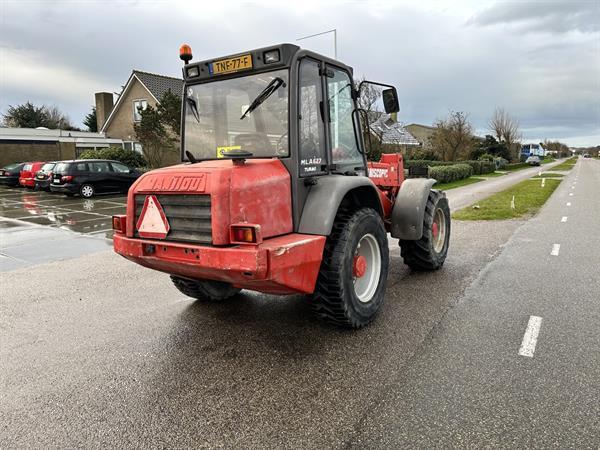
(344, 149)
(311, 132)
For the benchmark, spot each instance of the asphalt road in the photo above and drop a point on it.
(469, 386)
(96, 351)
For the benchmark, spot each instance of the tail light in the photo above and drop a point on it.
(245, 234)
(67, 178)
(119, 223)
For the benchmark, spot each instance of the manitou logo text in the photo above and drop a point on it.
(196, 183)
(378, 173)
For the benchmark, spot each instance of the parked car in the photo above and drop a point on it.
(9, 174)
(533, 161)
(587, 155)
(27, 176)
(44, 176)
(88, 177)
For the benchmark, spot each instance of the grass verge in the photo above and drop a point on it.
(529, 197)
(550, 175)
(566, 165)
(490, 175)
(457, 183)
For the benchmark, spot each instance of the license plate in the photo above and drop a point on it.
(40, 177)
(231, 65)
(56, 180)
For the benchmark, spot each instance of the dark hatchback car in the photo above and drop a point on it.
(44, 176)
(9, 174)
(88, 177)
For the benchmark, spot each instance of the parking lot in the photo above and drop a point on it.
(39, 226)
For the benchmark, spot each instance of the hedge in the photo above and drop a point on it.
(482, 167)
(129, 157)
(449, 173)
(479, 167)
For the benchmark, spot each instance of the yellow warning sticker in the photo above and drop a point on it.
(220, 150)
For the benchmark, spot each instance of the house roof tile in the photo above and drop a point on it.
(392, 132)
(159, 84)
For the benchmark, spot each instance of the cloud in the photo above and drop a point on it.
(543, 16)
(436, 56)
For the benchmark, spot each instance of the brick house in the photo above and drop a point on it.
(142, 89)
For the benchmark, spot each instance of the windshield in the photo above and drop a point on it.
(214, 123)
(47, 167)
(61, 168)
(12, 166)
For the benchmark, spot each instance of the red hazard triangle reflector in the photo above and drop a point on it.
(152, 222)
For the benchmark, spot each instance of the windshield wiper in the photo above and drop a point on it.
(194, 108)
(275, 84)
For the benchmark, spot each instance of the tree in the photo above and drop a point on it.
(159, 128)
(25, 116)
(490, 146)
(90, 121)
(28, 115)
(453, 136)
(506, 130)
(561, 149)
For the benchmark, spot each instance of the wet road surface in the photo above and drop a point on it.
(101, 352)
(38, 227)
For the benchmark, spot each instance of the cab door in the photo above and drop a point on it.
(343, 124)
(312, 148)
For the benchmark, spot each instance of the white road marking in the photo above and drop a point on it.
(555, 249)
(570, 194)
(568, 203)
(564, 219)
(530, 337)
(572, 187)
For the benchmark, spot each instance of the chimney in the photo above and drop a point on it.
(104, 105)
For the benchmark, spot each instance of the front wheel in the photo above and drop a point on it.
(207, 290)
(350, 288)
(429, 252)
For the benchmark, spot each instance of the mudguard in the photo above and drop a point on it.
(409, 209)
(324, 199)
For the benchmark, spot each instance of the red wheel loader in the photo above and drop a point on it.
(275, 194)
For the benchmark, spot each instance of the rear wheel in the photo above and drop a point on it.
(87, 191)
(429, 252)
(351, 284)
(207, 290)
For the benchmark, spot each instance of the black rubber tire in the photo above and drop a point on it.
(334, 299)
(87, 185)
(420, 255)
(205, 290)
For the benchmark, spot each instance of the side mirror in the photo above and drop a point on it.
(391, 103)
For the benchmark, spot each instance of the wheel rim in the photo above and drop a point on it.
(438, 230)
(366, 268)
(87, 191)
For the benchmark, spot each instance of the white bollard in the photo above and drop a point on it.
(543, 182)
(512, 202)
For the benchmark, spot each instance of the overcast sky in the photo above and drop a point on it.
(540, 60)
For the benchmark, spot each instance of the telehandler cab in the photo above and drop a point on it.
(275, 193)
